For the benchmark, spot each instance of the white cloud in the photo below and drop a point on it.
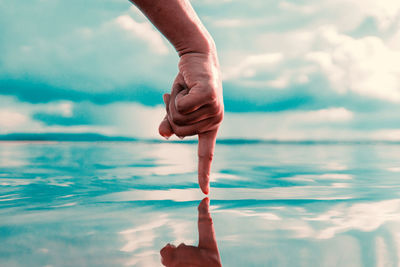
(386, 12)
(223, 23)
(120, 118)
(387, 134)
(348, 14)
(11, 119)
(361, 216)
(110, 53)
(145, 31)
(284, 48)
(304, 9)
(330, 115)
(368, 66)
(134, 119)
(290, 125)
(394, 41)
(236, 23)
(365, 66)
(293, 43)
(280, 82)
(64, 108)
(248, 66)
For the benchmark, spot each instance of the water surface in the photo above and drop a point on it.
(119, 204)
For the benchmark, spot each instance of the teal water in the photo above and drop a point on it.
(119, 204)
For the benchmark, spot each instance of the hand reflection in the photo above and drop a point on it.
(205, 254)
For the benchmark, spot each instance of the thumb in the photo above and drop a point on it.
(165, 128)
(205, 154)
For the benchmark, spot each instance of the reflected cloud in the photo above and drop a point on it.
(16, 182)
(361, 216)
(182, 160)
(314, 178)
(329, 192)
(142, 235)
(394, 169)
(205, 254)
(308, 224)
(65, 205)
(12, 155)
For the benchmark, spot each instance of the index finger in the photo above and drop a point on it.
(205, 153)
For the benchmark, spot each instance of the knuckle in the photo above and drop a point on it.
(180, 107)
(174, 127)
(220, 117)
(215, 107)
(179, 132)
(206, 156)
(174, 116)
(179, 120)
(182, 132)
(211, 96)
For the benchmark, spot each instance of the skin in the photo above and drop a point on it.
(195, 105)
(205, 254)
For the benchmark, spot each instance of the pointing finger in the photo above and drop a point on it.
(205, 154)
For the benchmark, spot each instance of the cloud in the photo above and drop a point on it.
(303, 9)
(352, 13)
(387, 134)
(248, 66)
(386, 12)
(39, 92)
(136, 120)
(394, 41)
(357, 216)
(322, 69)
(11, 119)
(107, 51)
(290, 125)
(144, 31)
(353, 68)
(330, 115)
(120, 118)
(365, 66)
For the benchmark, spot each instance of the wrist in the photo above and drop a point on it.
(199, 41)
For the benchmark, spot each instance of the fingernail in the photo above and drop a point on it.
(206, 190)
(165, 136)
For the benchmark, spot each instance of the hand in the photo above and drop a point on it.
(205, 254)
(195, 106)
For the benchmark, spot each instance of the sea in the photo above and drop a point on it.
(270, 204)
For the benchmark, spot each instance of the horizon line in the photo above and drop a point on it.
(96, 137)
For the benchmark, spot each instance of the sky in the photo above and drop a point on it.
(292, 70)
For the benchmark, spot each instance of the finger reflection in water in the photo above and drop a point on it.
(205, 254)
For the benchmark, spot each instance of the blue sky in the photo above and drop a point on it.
(292, 70)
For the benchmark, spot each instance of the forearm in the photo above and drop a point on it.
(179, 23)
